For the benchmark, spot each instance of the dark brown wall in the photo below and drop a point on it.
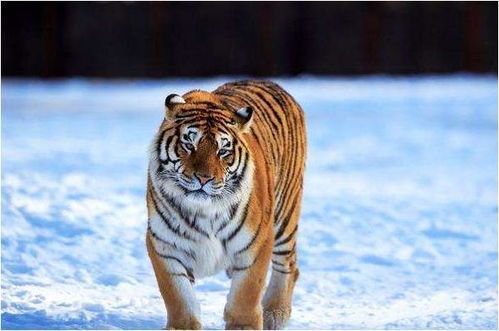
(164, 39)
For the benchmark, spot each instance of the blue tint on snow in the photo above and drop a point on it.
(399, 217)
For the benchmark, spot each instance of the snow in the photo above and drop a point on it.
(399, 220)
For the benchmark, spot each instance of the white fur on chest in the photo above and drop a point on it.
(209, 254)
(210, 257)
(204, 255)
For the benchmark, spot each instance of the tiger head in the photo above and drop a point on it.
(200, 151)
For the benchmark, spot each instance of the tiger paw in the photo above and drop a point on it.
(275, 318)
(184, 324)
(243, 321)
(239, 327)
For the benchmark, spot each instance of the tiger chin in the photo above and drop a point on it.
(224, 190)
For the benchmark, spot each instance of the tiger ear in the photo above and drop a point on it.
(170, 102)
(244, 117)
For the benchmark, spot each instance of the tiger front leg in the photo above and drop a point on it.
(244, 310)
(176, 289)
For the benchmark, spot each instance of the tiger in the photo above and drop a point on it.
(224, 191)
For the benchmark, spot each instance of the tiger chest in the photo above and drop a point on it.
(212, 245)
(210, 256)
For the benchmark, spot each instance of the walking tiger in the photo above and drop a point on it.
(224, 190)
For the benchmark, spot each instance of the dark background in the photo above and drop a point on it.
(164, 39)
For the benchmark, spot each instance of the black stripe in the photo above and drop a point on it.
(245, 248)
(220, 121)
(189, 120)
(282, 271)
(286, 252)
(158, 144)
(282, 226)
(177, 148)
(241, 223)
(271, 92)
(167, 223)
(270, 109)
(284, 193)
(207, 103)
(239, 175)
(288, 238)
(239, 149)
(193, 126)
(202, 113)
(222, 131)
(289, 213)
(235, 155)
(220, 112)
(185, 217)
(233, 210)
(181, 275)
(189, 113)
(243, 268)
(278, 263)
(166, 242)
(245, 165)
(167, 148)
(171, 257)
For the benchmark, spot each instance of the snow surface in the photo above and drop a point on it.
(399, 221)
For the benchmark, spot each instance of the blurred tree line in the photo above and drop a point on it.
(164, 39)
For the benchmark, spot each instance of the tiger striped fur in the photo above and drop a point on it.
(224, 190)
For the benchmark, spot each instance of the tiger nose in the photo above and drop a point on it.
(203, 179)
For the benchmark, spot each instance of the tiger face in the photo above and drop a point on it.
(200, 149)
(205, 157)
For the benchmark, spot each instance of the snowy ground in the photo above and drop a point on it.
(399, 222)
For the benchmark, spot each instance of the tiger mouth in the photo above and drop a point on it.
(196, 190)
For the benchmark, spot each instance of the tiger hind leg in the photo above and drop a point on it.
(278, 296)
